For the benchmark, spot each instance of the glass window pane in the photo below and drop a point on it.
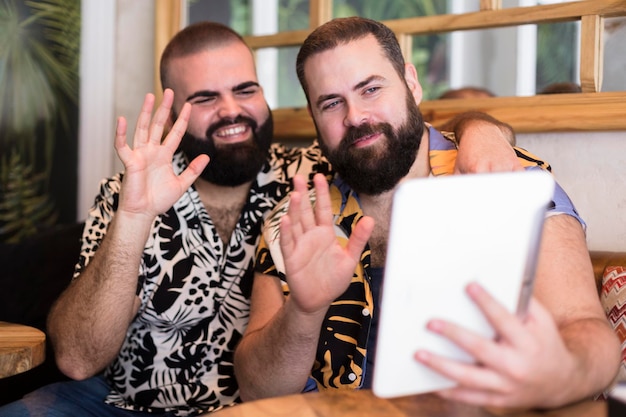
(390, 9)
(511, 61)
(250, 17)
(276, 68)
(557, 54)
(292, 14)
(233, 13)
(613, 78)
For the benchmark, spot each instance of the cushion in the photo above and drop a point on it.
(613, 298)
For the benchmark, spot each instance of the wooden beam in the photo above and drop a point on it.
(591, 53)
(490, 4)
(541, 113)
(514, 16)
(487, 19)
(167, 22)
(320, 12)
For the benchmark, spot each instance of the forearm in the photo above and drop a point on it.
(596, 352)
(565, 285)
(89, 321)
(277, 359)
(484, 144)
(464, 122)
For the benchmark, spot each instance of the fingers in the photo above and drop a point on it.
(297, 204)
(506, 325)
(178, 130)
(150, 129)
(142, 131)
(193, 171)
(301, 213)
(120, 139)
(323, 209)
(465, 374)
(359, 237)
(161, 116)
(509, 330)
(287, 242)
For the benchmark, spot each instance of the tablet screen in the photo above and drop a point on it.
(446, 232)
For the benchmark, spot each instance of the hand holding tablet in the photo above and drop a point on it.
(445, 233)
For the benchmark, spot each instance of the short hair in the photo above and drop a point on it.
(467, 92)
(193, 39)
(343, 30)
(562, 87)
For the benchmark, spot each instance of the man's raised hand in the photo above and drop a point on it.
(150, 185)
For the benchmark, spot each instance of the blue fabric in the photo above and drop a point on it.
(311, 385)
(70, 399)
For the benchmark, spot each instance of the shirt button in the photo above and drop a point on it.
(365, 312)
(352, 376)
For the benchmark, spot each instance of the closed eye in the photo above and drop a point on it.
(203, 100)
(247, 92)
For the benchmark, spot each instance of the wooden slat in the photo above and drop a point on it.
(563, 112)
(508, 17)
(478, 20)
(591, 53)
(288, 38)
(542, 113)
(167, 22)
(406, 44)
(490, 4)
(320, 12)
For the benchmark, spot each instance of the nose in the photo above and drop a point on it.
(228, 108)
(356, 115)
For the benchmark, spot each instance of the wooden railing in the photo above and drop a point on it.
(588, 111)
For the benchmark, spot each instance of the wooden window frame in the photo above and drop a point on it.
(590, 110)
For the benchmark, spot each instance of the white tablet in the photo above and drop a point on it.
(446, 232)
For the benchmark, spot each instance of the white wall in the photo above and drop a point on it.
(117, 70)
(591, 167)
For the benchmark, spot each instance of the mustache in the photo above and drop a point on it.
(354, 133)
(228, 122)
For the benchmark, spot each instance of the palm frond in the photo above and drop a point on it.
(39, 56)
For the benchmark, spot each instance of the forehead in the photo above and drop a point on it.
(344, 66)
(213, 69)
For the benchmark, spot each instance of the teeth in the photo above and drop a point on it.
(231, 131)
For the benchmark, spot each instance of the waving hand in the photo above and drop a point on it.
(318, 268)
(150, 185)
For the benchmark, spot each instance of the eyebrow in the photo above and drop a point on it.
(358, 86)
(211, 93)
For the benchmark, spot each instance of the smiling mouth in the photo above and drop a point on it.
(363, 140)
(231, 131)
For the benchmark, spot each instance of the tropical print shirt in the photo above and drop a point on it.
(194, 291)
(342, 348)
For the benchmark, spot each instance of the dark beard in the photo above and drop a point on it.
(373, 170)
(232, 164)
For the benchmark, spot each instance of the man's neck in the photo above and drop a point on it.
(379, 206)
(224, 204)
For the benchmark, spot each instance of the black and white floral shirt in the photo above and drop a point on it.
(194, 290)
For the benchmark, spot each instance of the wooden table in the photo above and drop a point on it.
(364, 404)
(21, 348)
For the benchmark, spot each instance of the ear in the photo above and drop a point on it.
(410, 76)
